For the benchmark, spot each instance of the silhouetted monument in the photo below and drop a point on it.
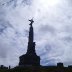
(30, 58)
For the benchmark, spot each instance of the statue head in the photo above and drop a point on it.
(31, 22)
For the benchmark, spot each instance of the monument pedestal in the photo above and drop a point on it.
(30, 58)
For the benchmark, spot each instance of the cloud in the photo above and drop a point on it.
(52, 30)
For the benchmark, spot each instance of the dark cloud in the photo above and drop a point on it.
(4, 25)
(27, 2)
(67, 39)
(47, 28)
(14, 2)
(49, 62)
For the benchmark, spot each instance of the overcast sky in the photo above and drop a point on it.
(52, 30)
